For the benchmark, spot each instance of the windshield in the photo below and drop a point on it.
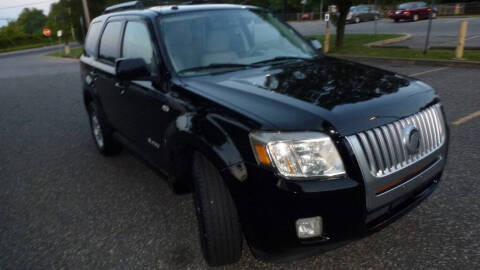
(206, 41)
(353, 9)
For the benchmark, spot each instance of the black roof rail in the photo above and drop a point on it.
(124, 6)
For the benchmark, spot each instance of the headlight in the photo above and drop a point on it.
(298, 154)
(349, 16)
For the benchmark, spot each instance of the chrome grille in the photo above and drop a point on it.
(383, 147)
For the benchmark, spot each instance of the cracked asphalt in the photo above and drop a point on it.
(63, 206)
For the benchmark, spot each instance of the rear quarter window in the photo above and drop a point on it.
(110, 42)
(91, 41)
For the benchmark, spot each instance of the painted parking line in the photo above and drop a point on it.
(457, 20)
(473, 37)
(466, 118)
(428, 71)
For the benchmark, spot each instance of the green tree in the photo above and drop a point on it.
(31, 20)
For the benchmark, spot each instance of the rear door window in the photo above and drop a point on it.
(91, 41)
(110, 42)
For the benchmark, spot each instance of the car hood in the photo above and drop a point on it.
(318, 95)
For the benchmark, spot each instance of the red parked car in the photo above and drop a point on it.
(412, 11)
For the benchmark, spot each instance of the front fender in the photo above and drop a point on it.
(212, 136)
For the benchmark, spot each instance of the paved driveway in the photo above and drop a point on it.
(62, 205)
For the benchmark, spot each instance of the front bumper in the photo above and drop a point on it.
(274, 204)
(269, 224)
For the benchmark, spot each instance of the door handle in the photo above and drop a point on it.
(120, 86)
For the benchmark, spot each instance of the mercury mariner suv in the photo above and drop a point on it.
(294, 151)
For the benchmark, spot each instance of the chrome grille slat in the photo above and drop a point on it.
(368, 149)
(376, 151)
(397, 145)
(390, 146)
(422, 131)
(435, 126)
(384, 148)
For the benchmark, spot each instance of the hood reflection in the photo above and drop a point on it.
(327, 84)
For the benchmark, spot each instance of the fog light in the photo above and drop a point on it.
(309, 227)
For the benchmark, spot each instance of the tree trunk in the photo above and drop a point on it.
(343, 9)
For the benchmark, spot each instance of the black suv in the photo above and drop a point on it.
(297, 151)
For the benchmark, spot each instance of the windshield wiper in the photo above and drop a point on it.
(282, 58)
(214, 66)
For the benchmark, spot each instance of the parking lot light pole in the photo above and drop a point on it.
(429, 29)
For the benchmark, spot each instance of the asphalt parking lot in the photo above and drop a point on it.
(444, 30)
(62, 205)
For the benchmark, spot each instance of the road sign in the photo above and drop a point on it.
(59, 33)
(47, 32)
(327, 17)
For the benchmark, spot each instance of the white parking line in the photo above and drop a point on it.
(473, 37)
(428, 71)
(466, 118)
(456, 20)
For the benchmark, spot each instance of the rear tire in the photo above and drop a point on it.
(102, 134)
(396, 20)
(218, 223)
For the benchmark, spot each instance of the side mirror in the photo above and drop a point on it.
(131, 69)
(316, 44)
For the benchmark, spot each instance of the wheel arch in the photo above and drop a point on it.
(209, 136)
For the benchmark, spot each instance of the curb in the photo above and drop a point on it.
(452, 48)
(37, 50)
(388, 41)
(61, 58)
(411, 61)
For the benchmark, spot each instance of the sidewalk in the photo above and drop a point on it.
(38, 50)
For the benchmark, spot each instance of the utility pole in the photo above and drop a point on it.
(321, 10)
(86, 12)
(69, 10)
(375, 18)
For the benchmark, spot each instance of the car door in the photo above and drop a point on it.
(370, 14)
(149, 109)
(365, 14)
(104, 72)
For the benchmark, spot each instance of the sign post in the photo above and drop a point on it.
(429, 29)
(326, 43)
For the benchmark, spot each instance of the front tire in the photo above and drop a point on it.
(218, 223)
(357, 20)
(102, 134)
(415, 18)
